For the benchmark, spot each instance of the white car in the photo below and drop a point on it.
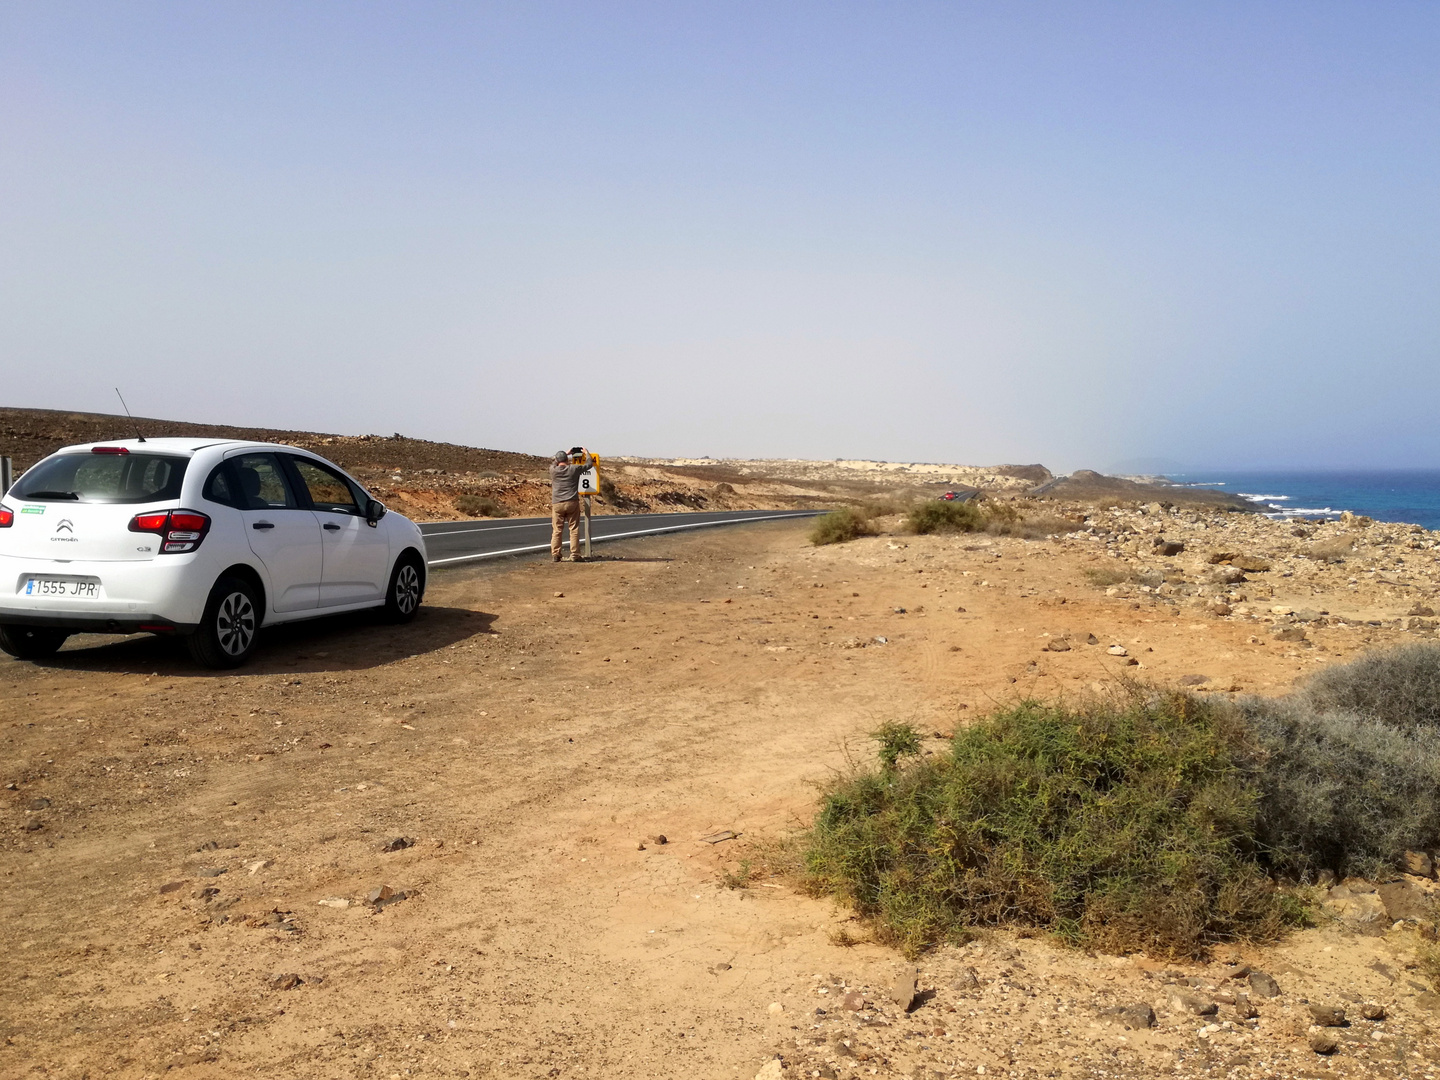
(211, 539)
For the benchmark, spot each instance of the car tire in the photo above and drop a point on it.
(31, 642)
(227, 631)
(406, 589)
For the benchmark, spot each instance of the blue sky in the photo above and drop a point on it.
(1069, 233)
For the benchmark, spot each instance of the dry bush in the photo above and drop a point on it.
(841, 525)
(1335, 550)
(480, 506)
(1397, 687)
(938, 516)
(740, 877)
(1427, 963)
(886, 507)
(1350, 763)
(1030, 528)
(1104, 576)
(1340, 791)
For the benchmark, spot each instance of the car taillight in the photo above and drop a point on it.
(189, 521)
(150, 522)
(180, 530)
(109, 450)
(7, 517)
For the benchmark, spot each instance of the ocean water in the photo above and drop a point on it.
(1411, 495)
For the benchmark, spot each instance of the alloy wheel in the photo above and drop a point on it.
(407, 589)
(235, 623)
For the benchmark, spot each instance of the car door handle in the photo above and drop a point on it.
(263, 525)
(332, 527)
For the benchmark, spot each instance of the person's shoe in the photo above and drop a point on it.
(554, 558)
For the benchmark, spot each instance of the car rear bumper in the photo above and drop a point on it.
(95, 622)
(171, 592)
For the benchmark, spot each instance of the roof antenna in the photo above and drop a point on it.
(127, 413)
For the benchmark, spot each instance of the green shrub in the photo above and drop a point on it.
(1399, 687)
(935, 516)
(480, 506)
(896, 741)
(1120, 825)
(1152, 821)
(840, 525)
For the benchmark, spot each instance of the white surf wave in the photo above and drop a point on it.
(1286, 513)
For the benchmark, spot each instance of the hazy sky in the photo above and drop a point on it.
(1067, 233)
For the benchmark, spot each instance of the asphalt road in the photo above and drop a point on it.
(450, 542)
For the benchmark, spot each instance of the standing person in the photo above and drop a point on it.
(565, 503)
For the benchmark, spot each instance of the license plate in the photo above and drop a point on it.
(63, 588)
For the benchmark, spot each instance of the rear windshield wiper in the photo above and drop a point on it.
(75, 495)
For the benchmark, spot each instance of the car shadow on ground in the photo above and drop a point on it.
(348, 642)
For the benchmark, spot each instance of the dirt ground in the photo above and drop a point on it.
(186, 856)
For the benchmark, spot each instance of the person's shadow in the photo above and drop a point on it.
(624, 558)
(348, 642)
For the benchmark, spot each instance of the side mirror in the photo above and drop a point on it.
(374, 511)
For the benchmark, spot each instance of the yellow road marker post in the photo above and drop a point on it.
(589, 485)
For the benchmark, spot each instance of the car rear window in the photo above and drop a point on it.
(103, 478)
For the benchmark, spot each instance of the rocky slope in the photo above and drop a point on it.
(1351, 573)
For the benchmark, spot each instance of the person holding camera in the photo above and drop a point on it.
(565, 500)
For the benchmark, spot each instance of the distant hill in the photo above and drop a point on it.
(1086, 485)
(28, 435)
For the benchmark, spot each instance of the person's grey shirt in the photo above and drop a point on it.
(565, 482)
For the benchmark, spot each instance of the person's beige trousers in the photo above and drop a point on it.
(560, 513)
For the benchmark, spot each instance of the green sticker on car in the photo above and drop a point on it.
(32, 509)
